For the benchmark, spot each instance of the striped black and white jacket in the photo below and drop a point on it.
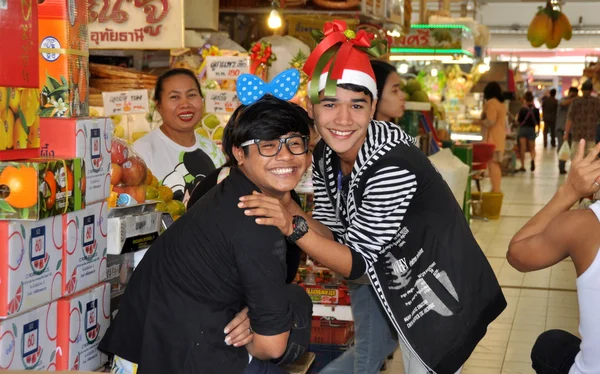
(427, 269)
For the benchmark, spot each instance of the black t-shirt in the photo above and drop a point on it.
(293, 253)
(194, 279)
(529, 116)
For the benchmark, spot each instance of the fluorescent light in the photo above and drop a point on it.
(426, 51)
(482, 68)
(444, 59)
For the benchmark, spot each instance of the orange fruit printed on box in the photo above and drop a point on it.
(64, 58)
(83, 319)
(19, 123)
(30, 264)
(84, 247)
(85, 138)
(28, 340)
(19, 65)
(40, 188)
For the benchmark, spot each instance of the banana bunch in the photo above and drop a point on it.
(549, 26)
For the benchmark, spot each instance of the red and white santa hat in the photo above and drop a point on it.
(349, 52)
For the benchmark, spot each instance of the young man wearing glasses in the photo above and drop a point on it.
(383, 211)
(215, 260)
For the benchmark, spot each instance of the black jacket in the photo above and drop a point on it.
(405, 227)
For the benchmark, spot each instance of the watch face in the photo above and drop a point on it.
(301, 224)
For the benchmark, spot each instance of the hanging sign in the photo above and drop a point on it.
(226, 67)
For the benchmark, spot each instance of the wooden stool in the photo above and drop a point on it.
(302, 365)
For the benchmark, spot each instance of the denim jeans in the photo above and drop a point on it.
(554, 352)
(374, 337)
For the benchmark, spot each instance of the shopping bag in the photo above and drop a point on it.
(564, 153)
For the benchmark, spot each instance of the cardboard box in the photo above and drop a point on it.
(119, 269)
(19, 123)
(64, 58)
(132, 233)
(84, 248)
(30, 264)
(19, 65)
(85, 138)
(40, 188)
(28, 341)
(83, 319)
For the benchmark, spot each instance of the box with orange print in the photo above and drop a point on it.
(64, 58)
(40, 188)
(85, 138)
(83, 319)
(84, 247)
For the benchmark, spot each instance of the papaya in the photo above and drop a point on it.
(540, 29)
(563, 24)
(554, 40)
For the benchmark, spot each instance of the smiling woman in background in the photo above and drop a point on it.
(174, 152)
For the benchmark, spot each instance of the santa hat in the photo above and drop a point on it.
(342, 57)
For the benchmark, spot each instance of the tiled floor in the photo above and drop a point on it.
(537, 301)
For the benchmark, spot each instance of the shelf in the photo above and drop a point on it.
(417, 106)
(339, 312)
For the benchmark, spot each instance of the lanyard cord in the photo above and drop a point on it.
(338, 196)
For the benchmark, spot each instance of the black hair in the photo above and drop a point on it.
(158, 88)
(266, 119)
(553, 92)
(382, 71)
(493, 90)
(356, 88)
(528, 97)
(574, 89)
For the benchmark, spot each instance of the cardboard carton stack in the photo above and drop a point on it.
(54, 181)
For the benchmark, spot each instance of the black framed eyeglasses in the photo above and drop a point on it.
(297, 145)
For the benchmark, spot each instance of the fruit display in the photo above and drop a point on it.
(40, 188)
(84, 248)
(64, 49)
(83, 319)
(167, 204)
(30, 257)
(19, 120)
(128, 172)
(28, 340)
(414, 91)
(211, 127)
(549, 26)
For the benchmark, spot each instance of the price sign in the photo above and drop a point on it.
(227, 67)
(221, 102)
(126, 102)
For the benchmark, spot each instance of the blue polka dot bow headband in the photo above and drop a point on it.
(284, 86)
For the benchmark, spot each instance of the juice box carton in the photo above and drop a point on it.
(85, 138)
(84, 248)
(40, 188)
(19, 65)
(19, 122)
(83, 319)
(64, 58)
(30, 264)
(28, 340)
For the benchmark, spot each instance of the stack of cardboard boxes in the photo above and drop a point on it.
(54, 181)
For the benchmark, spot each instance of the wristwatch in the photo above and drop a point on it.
(300, 227)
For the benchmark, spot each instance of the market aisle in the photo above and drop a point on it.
(537, 301)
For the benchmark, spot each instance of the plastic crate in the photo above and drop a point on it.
(331, 331)
(325, 353)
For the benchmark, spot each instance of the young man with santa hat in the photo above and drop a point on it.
(385, 215)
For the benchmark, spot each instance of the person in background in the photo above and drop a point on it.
(529, 127)
(390, 97)
(557, 233)
(549, 109)
(561, 119)
(215, 260)
(493, 127)
(177, 155)
(583, 117)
